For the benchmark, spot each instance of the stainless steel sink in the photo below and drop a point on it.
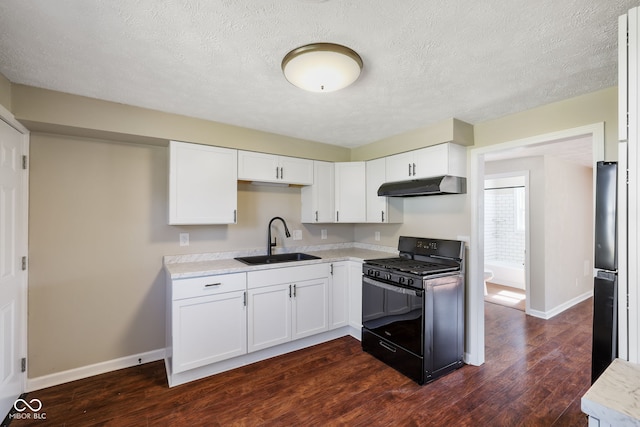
(272, 259)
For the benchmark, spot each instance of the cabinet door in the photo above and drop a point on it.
(202, 184)
(261, 167)
(376, 205)
(310, 311)
(432, 161)
(350, 189)
(264, 167)
(318, 199)
(399, 167)
(442, 159)
(208, 329)
(355, 294)
(381, 209)
(296, 171)
(339, 295)
(269, 316)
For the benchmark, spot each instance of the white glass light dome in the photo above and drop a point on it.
(322, 67)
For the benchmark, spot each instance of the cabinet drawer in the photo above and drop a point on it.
(208, 285)
(257, 279)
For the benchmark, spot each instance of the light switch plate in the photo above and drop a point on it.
(184, 239)
(323, 234)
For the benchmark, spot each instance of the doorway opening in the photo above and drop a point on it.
(505, 239)
(516, 149)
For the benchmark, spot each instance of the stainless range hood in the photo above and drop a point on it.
(424, 187)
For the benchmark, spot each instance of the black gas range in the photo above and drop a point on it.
(413, 307)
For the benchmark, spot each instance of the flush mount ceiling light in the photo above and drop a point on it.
(322, 67)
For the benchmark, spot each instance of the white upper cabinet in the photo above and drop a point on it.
(350, 189)
(202, 184)
(318, 199)
(399, 166)
(381, 209)
(437, 160)
(263, 167)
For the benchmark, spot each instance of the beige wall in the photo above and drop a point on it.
(60, 113)
(97, 236)
(596, 107)
(450, 130)
(5, 92)
(568, 249)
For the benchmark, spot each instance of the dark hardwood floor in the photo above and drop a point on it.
(534, 375)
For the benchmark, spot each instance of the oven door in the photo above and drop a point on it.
(394, 313)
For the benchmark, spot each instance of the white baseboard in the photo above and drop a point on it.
(562, 307)
(58, 378)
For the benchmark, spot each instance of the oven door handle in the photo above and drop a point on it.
(387, 346)
(392, 288)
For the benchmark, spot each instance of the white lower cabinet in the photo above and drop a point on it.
(269, 316)
(285, 304)
(309, 307)
(339, 294)
(355, 294)
(208, 320)
(221, 322)
(345, 294)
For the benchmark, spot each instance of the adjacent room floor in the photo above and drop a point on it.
(535, 374)
(506, 295)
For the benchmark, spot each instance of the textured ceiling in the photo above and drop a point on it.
(424, 61)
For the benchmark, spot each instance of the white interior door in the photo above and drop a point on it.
(13, 244)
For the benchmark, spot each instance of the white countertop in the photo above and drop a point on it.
(184, 266)
(615, 397)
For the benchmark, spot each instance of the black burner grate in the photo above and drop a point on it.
(421, 268)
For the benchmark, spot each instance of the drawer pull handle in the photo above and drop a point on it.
(209, 285)
(387, 346)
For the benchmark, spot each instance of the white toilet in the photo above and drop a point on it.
(488, 275)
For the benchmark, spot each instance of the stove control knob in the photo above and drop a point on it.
(410, 282)
(388, 276)
(369, 272)
(376, 273)
(400, 279)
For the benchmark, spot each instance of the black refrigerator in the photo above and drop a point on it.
(605, 286)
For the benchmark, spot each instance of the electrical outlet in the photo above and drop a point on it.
(377, 236)
(297, 234)
(323, 234)
(184, 239)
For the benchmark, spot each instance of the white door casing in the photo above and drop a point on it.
(13, 246)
